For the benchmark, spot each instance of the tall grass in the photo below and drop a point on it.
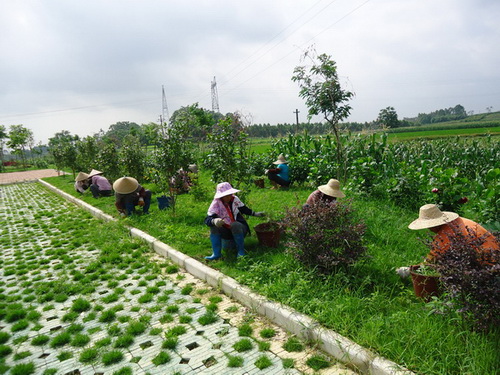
(366, 302)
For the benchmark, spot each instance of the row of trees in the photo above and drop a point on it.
(19, 139)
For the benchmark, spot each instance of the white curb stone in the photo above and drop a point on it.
(299, 324)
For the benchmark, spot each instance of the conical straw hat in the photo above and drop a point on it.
(81, 176)
(94, 172)
(332, 188)
(125, 185)
(431, 216)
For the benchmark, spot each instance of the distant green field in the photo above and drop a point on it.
(444, 133)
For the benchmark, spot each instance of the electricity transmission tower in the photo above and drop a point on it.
(164, 117)
(215, 97)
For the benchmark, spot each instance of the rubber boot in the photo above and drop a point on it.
(239, 240)
(216, 246)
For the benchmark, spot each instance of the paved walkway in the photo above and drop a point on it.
(13, 177)
(71, 304)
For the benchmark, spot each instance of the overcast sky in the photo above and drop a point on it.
(84, 65)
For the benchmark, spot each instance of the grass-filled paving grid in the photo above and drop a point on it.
(81, 296)
(367, 302)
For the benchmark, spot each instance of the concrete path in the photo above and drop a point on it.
(62, 314)
(13, 177)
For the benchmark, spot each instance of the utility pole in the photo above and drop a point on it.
(297, 120)
(215, 97)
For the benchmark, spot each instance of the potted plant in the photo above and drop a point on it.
(260, 182)
(426, 281)
(269, 233)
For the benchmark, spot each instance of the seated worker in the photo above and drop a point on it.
(82, 182)
(100, 186)
(446, 225)
(225, 219)
(129, 194)
(326, 193)
(279, 176)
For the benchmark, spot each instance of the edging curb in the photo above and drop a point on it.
(338, 346)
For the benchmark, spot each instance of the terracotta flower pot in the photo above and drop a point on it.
(269, 234)
(259, 182)
(425, 286)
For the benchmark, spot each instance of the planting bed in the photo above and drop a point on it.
(79, 296)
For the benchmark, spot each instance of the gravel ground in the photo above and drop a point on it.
(72, 305)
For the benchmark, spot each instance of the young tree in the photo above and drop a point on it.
(63, 148)
(131, 156)
(3, 137)
(19, 137)
(320, 87)
(229, 157)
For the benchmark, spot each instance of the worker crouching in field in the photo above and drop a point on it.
(129, 193)
(450, 227)
(326, 193)
(100, 186)
(82, 182)
(279, 176)
(225, 219)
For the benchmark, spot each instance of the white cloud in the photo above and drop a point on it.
(82, 66)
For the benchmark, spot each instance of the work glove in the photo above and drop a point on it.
(266, 171)
(123, 214)
(259, 214)
(141, 201)
(218, 222)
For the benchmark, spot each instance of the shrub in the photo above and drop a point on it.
(471, 274)
(325, 235)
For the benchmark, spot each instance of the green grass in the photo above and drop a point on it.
(443, 133)
(368, 303)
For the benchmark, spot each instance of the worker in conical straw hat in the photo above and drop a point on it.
(129, 193)
(326, 193)
(82, 182)
(99, 185)
(226, 221)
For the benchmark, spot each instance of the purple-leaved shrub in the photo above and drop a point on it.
(325, 235)
(471, 274)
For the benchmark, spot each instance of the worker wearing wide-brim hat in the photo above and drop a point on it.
(448, 225)
(279, 176)
(326, 193)
(129, 193)
(82, 182)
(99, 186)
(226, 221)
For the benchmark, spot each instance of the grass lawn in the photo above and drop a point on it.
(367, 302)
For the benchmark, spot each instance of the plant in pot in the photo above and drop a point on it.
(426, 281)
(269, 232)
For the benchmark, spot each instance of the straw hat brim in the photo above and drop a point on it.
(277, 162)
(224, 193)
(325, 189)
(125, 185)
(447, 217)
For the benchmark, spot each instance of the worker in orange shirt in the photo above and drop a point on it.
(448, 225)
